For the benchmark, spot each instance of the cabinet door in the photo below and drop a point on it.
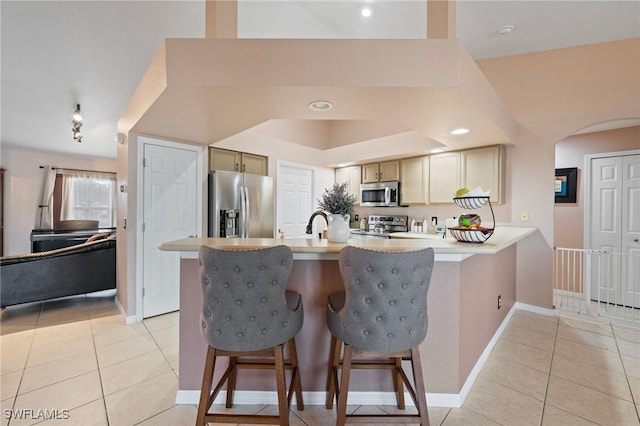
(370, 173)
(414, 179)
(389, 171)
(444, 177)
(224, 159)
(484, 167)
(351, 176)
(254, 164)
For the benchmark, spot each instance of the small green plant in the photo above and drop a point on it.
(336, 200)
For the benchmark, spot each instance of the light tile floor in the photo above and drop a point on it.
(76, 354)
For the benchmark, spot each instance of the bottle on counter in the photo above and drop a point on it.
(363, 224)
(425, 226)
(414, 228)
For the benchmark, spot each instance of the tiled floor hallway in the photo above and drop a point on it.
(77, 355)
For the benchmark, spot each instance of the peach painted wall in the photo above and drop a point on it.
(571, 152)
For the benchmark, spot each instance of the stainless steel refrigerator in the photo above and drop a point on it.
(240, 205)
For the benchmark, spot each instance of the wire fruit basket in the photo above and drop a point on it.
(473, 235)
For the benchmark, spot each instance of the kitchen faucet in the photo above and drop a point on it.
(313, 216)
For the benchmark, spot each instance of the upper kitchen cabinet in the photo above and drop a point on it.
(444, 177)
(351, 176)
(414, 180)
(381, 172)
(235, 161)
(470, 168)
(484, 167)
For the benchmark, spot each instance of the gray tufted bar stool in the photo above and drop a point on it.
(249, 316)
(378, 321)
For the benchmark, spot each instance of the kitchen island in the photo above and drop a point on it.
(463, 311)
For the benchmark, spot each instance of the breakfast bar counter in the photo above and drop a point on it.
(463, 312)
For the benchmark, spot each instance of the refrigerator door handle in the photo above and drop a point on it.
(242, 223)
(247, 214)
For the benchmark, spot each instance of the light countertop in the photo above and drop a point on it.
(501, 238)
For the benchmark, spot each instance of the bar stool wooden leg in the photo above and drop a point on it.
(283, 407)
(420, 390)
(296, 383)
(231, 383)
(207, 381)
(343, 387)
(398, 385)
(334, 362)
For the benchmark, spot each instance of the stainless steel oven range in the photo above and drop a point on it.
(380, 226)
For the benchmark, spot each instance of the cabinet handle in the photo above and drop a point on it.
(244, 166)
(237, 167)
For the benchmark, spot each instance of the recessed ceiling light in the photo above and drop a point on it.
(460, 131)
(320, 106)
(506, 29)
(366, 11)
(436, 150)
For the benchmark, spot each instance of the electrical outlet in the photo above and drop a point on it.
(524, 216)
(499, 301)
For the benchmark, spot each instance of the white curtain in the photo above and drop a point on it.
(89, 195)
(44, 218)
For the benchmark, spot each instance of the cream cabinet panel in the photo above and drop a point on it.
(444, 177)
(254, 164)
(235, 161)
(224, 159)
(484, 167)
(414, 180)
(351, 176)
(387, 171)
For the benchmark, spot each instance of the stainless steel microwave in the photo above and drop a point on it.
(383, 194)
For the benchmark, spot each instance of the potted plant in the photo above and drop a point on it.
(339, 204)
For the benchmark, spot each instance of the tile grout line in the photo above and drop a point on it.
(95, 354)
(626, 375)
(553, 353)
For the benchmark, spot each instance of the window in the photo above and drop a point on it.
(88, 195)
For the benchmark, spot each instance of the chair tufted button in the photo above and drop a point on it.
(263, 331)
(369, 269)
(420, 315)
(274, 313)
(380, 285)
(250, 285)
(415, 269)
(239, 302)
(216, 300)
(252, 318)
(379, 318)
(214, 267)
(392, 303)
(240, 334)
(411, 331)
(236, 269)
(284, 262)
(205, 281)
(207, 313)
(367, 300)
(403, 319)
(285, 323)
(263, 299)
(356, 314)
(203, 324)
(365, 332)
(357, 281)
(219, 332)
(274, 282)
(404, 286)
(262, 267)
(227, 318)
(390, 335)
(347, 263)
(413, 301)
(394, 271)
(225, 285)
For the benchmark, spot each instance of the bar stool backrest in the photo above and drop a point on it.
(385, 307)
(244, 298)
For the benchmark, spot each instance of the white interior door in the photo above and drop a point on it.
(295, 199)
(615, 228)
(170, 213)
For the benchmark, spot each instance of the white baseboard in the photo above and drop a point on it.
(448, 400)
(131, 319)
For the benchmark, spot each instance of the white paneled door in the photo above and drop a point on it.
(615, 227)
(295, 199)
(170, 213)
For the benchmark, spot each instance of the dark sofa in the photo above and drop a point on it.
(79, 269)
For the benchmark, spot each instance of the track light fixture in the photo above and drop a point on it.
(76, 119)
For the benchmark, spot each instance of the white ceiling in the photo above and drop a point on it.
(59, 53)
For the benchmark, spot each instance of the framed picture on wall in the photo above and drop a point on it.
(566, 183)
